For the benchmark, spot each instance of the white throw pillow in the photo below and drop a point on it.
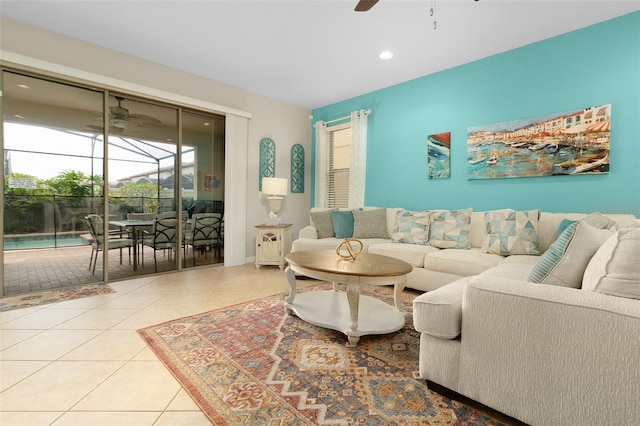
(615, 268)
(565, 261)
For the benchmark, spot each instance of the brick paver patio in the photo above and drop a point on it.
(42, 269)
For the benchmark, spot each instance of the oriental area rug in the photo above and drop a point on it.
(53, 296)
(253, 364)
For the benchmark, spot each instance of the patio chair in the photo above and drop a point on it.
(114, 240)
(163, 236)
(206, 233)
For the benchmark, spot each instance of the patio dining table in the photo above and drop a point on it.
(134, 226)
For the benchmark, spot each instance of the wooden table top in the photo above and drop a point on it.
(366, 264)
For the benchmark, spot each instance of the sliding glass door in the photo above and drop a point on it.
(68, 212)
(52, 182)
(143, 167)
(203, 187)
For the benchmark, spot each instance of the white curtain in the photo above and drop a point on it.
(322, 164)
(358, 167)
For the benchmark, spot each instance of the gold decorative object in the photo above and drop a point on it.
(351, 254)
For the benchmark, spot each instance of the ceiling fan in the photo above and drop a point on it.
(120, 117)
(365, 5)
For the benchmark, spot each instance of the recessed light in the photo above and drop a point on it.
(23, 86)
(206, 124)
(18, 116)
(385, 55)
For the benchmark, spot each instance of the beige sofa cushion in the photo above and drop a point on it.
(413, 254)
(330, 243)
(615, 268)
(513, 271)
(461, 262)
(439, 312)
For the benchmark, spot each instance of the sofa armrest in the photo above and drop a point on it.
(557, 346)
(308, 231)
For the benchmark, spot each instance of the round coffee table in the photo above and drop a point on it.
(352, 314)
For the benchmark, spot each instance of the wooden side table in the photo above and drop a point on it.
(273, 243)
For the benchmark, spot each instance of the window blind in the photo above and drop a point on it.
(339, 162)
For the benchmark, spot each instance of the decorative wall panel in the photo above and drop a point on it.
(267, 160)
(297, 168)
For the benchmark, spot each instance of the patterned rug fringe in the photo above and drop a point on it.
(53, 296)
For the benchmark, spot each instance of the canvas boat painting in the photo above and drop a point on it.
(575, 142)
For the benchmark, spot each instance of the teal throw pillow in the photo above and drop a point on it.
(342, 223)
(564, 225)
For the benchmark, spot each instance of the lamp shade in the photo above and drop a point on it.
(274, 186)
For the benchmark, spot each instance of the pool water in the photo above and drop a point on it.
(42, 241)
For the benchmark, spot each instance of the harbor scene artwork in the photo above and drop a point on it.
(438, 156)
(570, 143)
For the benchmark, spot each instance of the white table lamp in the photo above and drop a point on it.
(274, 188)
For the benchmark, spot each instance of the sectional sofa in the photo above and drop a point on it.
(434, 264)
(534, 314)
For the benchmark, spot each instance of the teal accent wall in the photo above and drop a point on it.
(596, 65)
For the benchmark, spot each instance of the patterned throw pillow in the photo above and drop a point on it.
(411, 227)
(450, 229)
(508, 232)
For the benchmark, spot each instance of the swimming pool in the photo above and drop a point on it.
(22, 242)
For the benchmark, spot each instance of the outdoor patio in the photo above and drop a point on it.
(42, 269)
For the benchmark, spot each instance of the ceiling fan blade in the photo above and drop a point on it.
(364, 5)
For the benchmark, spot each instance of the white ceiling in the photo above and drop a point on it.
(312, 53)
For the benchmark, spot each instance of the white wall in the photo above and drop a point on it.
(285, 124)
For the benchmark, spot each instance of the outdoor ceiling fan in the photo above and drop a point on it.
(120, 117)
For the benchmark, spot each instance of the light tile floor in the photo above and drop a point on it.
(81, 362)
